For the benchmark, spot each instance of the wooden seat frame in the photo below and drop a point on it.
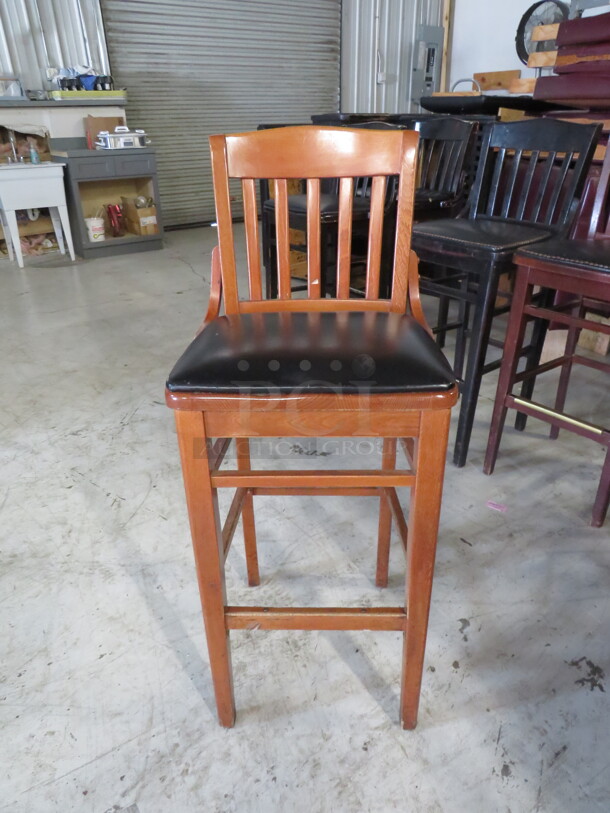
(419, 422)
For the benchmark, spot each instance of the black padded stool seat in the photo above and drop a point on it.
(329, 206)
(337, 353)
(591, 254)
(496, 236)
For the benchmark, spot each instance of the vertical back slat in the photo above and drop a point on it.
(313, 238)
(222, 196)
(344, 239)
(427, 148)
(511, 181)
(402, 244)
(373, 260)
(543, 185)
(253, 249)
(449, 148)
(558, 186)
(282, 237)
(457, 165)
(495, 181)
(600, 219)
(527, 183)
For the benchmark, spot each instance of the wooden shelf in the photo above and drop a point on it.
(127, 238)
(44, 225)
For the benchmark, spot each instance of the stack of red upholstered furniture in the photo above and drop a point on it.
(582, 67)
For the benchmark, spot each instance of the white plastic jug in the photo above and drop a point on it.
(95, 229)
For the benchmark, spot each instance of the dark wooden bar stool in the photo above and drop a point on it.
(312, 367)
(576, 277)
(443, 148)
(528, 178)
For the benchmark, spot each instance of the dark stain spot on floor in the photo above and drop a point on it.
(506, 771)
(557, 754)
(456, 664)
(464, 624)
(465, 541)
(296, 449)
(594, 677)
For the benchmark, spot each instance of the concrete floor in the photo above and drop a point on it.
(105, 692)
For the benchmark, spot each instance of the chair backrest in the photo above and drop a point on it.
(315, 153)
(533, 171)
(443, 147)
(363, 186)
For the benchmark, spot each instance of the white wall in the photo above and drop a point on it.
(484, 37)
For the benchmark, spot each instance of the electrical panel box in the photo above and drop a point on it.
(427, 61)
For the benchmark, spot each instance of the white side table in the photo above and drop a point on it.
(33, 186)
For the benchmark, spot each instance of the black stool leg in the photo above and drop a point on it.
(462, 331)
(477, 350)
(441, 320)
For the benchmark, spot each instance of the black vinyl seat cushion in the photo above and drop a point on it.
(329, 207)
(593, 255)
(341, 353)
(497, 237)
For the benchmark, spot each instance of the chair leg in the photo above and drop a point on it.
(441, 320)
(602, 498)
(267, 254)
(515, 334)
(388, 461)
(566, 370)
(247, 515)
(202, 503)
(424, 516)
(462, 331)
(539, 331)
(476, 359)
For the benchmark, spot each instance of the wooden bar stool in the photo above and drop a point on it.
(315, 366)
(576, 276)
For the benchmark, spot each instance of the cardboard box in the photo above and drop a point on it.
(94, 124)
(139, 221)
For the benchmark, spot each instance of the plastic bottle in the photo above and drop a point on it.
(34, 157)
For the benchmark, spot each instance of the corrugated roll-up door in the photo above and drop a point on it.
(192, 69)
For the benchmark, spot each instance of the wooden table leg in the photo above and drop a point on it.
(423, 531)
(202, 503)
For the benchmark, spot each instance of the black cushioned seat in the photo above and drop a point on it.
(591, 254)
(312, 352)
(329, 206)
(496, 236)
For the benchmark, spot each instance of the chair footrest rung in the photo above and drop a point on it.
(339, 478)
(315, 618)
(311, 491)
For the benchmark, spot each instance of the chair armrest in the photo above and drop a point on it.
(414, 297)
(215, 300)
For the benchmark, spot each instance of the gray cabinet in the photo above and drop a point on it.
(95, 178)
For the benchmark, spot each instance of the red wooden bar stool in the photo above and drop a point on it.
(313, 366)
(581, 270)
